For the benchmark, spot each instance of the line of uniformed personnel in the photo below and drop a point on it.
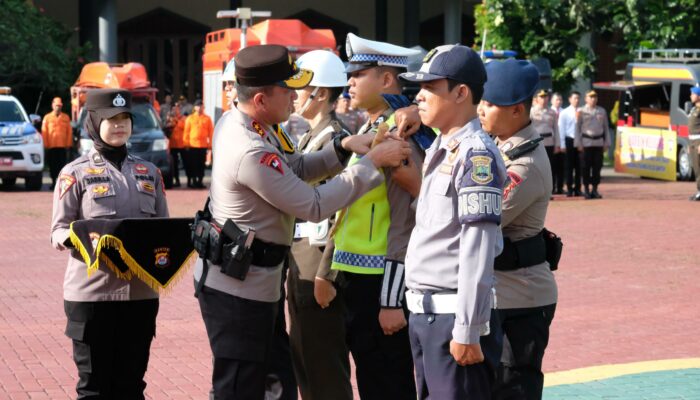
(391, 235)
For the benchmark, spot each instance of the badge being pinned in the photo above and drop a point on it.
(481, 171)
(65, 182)
(273, 161)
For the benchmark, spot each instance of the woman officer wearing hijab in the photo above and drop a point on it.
(111, 320)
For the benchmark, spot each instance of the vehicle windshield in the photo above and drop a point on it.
(145, 118)
(10, 112)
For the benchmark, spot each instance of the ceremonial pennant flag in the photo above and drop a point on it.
(156, 250)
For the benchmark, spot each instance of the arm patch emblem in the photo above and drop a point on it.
(514, 180)
(273, 161)
(65, 182)
(480, 192)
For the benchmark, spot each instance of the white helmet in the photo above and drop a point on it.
(229, 72)
(328, 69)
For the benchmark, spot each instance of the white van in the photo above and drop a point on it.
(21, 146)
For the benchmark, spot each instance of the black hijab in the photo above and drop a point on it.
(114, 155)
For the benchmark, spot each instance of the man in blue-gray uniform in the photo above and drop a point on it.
(525, 285)
(449, 265)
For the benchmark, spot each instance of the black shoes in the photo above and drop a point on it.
(695, 197)
(595, 194)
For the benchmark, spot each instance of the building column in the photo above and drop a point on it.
(453, 21)
(381, 13)
(411, 25)
(107, 27)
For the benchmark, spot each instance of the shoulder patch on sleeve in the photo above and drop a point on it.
(273, 161)
(480, 194)
(65, 182)
(287, 143)
(513, 180)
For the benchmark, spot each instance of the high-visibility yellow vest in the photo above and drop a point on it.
(361, 236)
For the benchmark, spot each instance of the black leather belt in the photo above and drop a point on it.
(521, 254)
(593, 137)
(268, 254)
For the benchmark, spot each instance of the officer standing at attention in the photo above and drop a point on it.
(317, 331)
(110, 320)
(544, 121)
(694, 137)
(372, 237)
(592, 139)
(257, 185)
(449, 265)
(525, 286)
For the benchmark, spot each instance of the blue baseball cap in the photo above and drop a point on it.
(451, 61)
(510, 82)
(695, 90)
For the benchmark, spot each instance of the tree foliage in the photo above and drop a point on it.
(554, 29)
(35, 50)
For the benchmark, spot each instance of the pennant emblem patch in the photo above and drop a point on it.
(162, 257)
(273, 161)
(64, 184)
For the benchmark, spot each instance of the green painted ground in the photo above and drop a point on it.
(682, 384)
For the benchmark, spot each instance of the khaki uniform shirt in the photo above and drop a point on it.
(307, 259)
(544, 122)
(90, 187)
(525, 201)
(259, 186)
(592, 128)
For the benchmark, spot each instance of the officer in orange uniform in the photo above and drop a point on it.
(58, 138)
(176, 123)
(197, 137)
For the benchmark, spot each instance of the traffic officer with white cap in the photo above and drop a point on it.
(257, 190)
(449, 265)
(317, 330)
(371, 236)
(525, 286)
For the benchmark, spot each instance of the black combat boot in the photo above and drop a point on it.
(595, 194)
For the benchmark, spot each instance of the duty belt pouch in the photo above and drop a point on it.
(554, 247)
(200, 233)
(236, 255)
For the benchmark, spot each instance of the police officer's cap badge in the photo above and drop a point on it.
(119, 101)
(481, 169)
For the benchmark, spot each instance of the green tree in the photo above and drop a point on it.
(36, 55)
(554, 28)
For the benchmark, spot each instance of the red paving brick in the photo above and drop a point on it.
(627, 284)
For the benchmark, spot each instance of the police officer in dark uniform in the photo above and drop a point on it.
(257, 187)
(110, 320)
(694, 137)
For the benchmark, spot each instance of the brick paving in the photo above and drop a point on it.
(627, 281)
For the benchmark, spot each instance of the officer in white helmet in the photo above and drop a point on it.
(317, 334)
(229, 79)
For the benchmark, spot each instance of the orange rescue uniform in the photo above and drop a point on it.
(177, 138)
(198, 131)
(57, 131)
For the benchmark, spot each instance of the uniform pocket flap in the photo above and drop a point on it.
(76, 330)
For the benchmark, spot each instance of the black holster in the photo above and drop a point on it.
(545, 246)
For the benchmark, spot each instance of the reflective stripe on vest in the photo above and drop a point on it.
(361, 238)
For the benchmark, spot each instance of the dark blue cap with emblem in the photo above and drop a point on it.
(108, 102)
(510, 82)
(452, 61)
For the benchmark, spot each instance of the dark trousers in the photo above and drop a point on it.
(573, 166)
(592, 164)
(317, 339)
(176, 155)
(695, 161)
(240, 334)
(437, 373)
(197, 158)
(56, 158)
(281, 383)
(525, 338)
(383, 364)
(111, 346)
(556, 162)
